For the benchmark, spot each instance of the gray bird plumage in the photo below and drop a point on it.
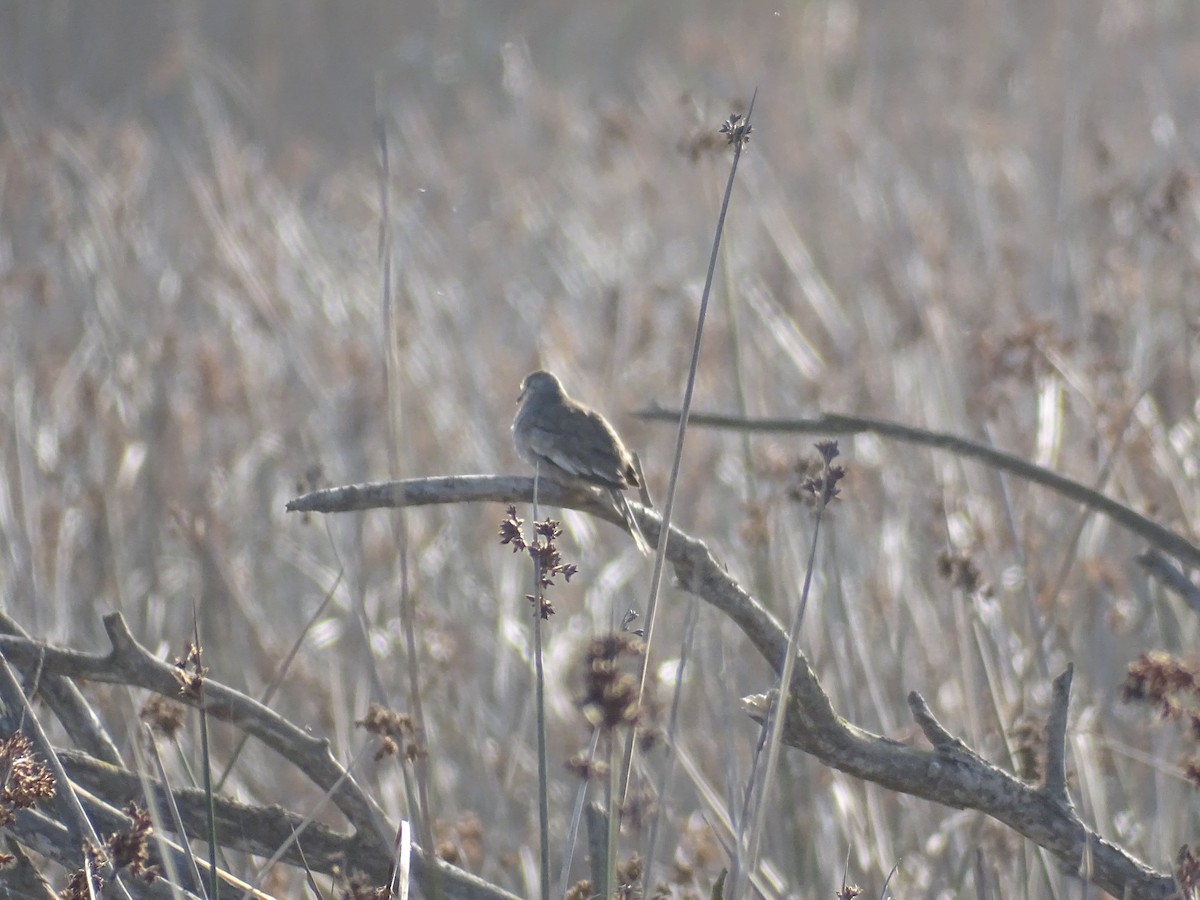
(567, 441)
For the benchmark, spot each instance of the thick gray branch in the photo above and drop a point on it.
(951, 774)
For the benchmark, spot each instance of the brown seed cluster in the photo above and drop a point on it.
(190, 672)
(1171, 687)
(1187, 871)
(609, 699)
(358, 887)
(962, 571)
(823, 487)
(163, 715)
(27, 780)
(737, 130)
(394, 729)
(1028, 738)
(127, 851)
(544, 550)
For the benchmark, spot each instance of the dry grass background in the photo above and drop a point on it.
(977, 217)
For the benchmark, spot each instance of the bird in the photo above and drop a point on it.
(570, 442)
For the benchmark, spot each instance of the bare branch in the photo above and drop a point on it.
(70, 707)
(131, 663)
(259, 830)
(253, 829)
(833, 423)
(951, 774)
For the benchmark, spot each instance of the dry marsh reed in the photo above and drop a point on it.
(975, 219)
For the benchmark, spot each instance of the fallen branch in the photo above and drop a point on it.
(257, 830)
(950, 774)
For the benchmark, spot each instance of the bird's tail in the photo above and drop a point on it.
(631, 523)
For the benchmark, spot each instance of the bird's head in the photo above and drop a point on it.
(540, 384)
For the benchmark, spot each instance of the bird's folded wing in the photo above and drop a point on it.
(577, 453)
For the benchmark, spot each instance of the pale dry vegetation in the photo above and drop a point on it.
(976, 218)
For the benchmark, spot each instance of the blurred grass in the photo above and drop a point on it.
(977, 218)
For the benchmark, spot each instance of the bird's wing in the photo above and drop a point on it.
(582, 445)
